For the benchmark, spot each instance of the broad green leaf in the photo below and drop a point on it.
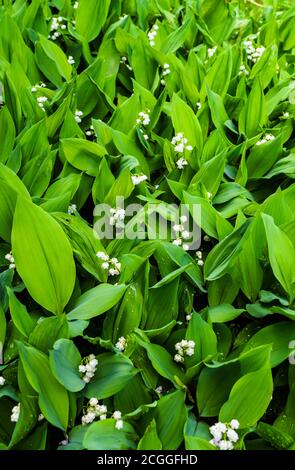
(43, 256)
(64, 361)
(103, 435)
(114, 371)
(96, 301)
(249, 398)
(53, 398)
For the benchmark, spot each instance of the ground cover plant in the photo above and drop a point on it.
(154, 329)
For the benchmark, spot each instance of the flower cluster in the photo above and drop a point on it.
(121, 344)
(243, 70)
(57, 24)
(2, 381)
(78, 115)
(88, 368)
(41, 100)
(10, 258)
(184, 348)
(180, 146)
(124, 61)
(166, 71)
(72, 209)
(224, 435)
(37, 86)
(15, 413)
(199, 255)
(137, 179)
(117, 415)
(266, 138)
(94, 410)
(71, 60)
(152, 34)
(143, 118)
(112, 264)
(117, 216)
(211, 51)
(90, 131)
(253, 52)
(182, 233)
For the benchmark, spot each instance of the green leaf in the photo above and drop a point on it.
(170, 416)
(19, 314)
(43, 256)
(53, 398)
(253, 114)
(103, 435)
(90, 18)
(249, 398)
(83, 155)
(64, 362)
(150, 440)
(114, 371)
(281, 255)
(279, 335)
(96, 301)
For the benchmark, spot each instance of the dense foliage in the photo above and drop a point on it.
(147, 342)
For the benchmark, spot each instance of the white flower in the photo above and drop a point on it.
(267, 138)
(243, 70)
(102, 255)
(178, 358)
(185, 246)
(159, 389)
(42, 99)
(189, 148)
(102, 417)
(75, 6)
(232, 435)
(93, 401)
(177, 242)
(183, 219)
(181, 163)
(286, 115)
(190, 352)
(235, 424)
(33, 89)
(72, 209)
(188, 317)
(185, 235)
(207, 238)
(143, 118)
(88, 368)
(114, 272)
(225, 445)
(105, 265)
(199, 254)
(78, 115)
(137, 179)
(121, 344)
(146, 137)
(2, 381)
(199, 105)
(211, 51)
(119, 424)
(117, 415)
(152, 34)
(40, 417)
(15, 413)
(166, 66)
